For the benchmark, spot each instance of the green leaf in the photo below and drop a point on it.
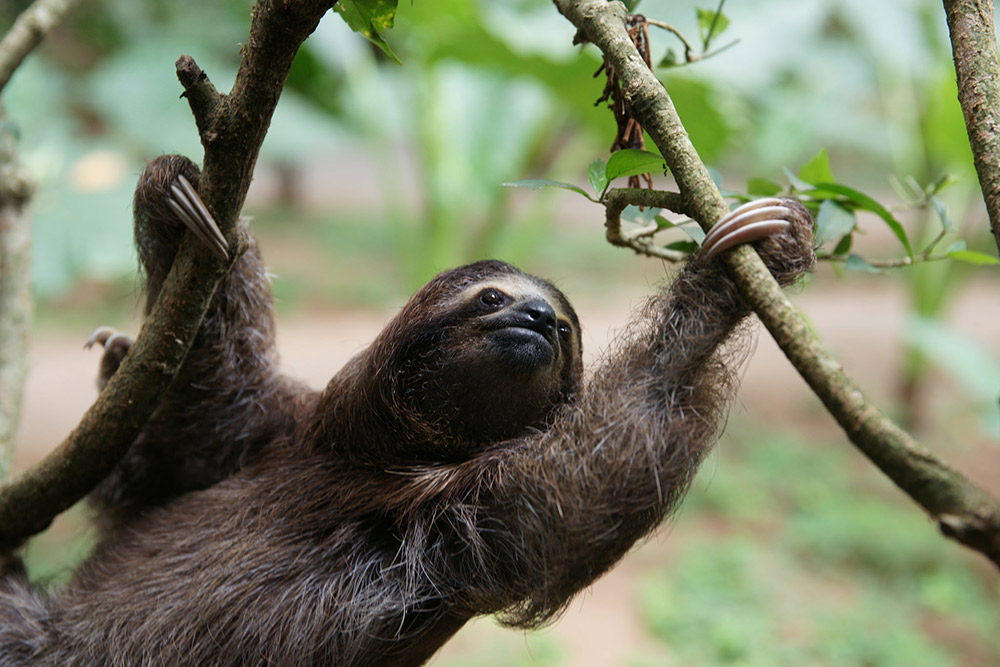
(670, 59)
(762, 187)
(711, 24)
(368, 17)
(833, 221)
(643, 216)
(844, 246)
(595, 173)
(631, 162)
(715, 175)
(866, 203)
(683, 246)
(696, 233)
(973, 257)
(539, 183)
(817, 170)
(859, 263)
(689, 227)
(796, 182)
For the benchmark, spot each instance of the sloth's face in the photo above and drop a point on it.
(510, 355)
(523, 330)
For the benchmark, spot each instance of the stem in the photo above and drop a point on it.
(688, 49)
(617, 199)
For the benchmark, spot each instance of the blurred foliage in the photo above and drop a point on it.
(489, 92)
(822, 569)
(412, 157)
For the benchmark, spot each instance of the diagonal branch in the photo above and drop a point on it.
(232, 128)
(962, 510)
(974, 46)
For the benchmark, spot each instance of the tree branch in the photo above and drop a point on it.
(28, 31)
(232, 128)
(974, 46)
(615, 201)
(962, 510)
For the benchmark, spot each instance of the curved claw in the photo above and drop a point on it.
(108, 338)
(188, 206)
(750, 222)
(116, 346)
(100, 335)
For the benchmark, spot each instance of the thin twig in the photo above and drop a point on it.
(885, 263)
(688, 49)
(615, 201)
(690, 56)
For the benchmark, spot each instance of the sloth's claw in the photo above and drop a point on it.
(101, 335)
(753, 221)
(187, 205)
(116, 346)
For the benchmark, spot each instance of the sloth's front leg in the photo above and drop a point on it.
(227, 401)
(177, 207)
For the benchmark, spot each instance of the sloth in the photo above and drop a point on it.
(461, 465)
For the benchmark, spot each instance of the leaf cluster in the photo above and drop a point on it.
(836, 207)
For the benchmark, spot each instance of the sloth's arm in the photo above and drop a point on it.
(559, 508)
(228, 399)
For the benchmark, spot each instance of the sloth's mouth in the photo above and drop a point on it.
(523, 346)
(528, 334)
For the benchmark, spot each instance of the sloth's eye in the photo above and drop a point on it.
(564, 329)
(491, 298)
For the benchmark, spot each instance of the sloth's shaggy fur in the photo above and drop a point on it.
(436, 478)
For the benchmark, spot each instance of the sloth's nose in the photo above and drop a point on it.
(538, 315)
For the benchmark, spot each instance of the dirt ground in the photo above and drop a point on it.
(862, 321)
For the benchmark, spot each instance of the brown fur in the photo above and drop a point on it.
(257, 522)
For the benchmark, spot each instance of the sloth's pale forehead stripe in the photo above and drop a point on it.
(518, 288)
